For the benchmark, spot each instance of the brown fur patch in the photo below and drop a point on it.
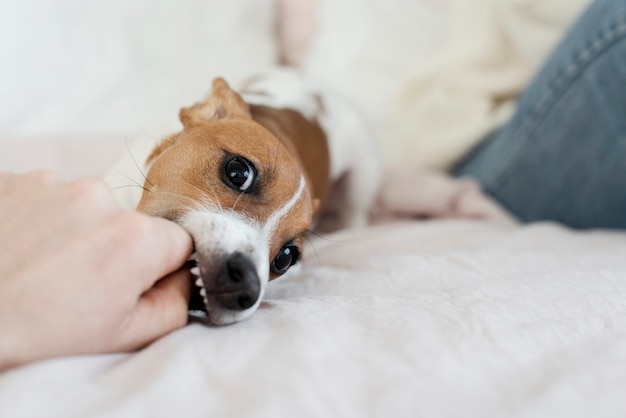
(307, 143)
(186, 175)
(186, 168)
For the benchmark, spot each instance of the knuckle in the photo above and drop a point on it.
(91, 191)
(45, 176)
(130, 230)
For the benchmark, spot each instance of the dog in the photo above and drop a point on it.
(248, 177)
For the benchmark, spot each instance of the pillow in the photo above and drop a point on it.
(364, 48)
(122, 65)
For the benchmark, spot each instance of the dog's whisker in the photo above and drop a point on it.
(317, 234)
(177, 195)
(236, 201)
(123, 186)
(135, 183)
(310, 242)
(209, 205)
(325, 238)
(135, 162)
(209, 195)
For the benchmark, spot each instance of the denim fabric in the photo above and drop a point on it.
(562, 156)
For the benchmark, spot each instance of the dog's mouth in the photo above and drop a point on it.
(198, 302)
(223, 290)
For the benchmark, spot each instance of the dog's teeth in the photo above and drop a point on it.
(193, 257)
(195, 271)
(203, 293)
(199, 282)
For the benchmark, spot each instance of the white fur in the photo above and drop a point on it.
(236, 234)
(274, 220)
(223, 233)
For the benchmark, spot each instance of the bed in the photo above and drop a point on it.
(410, 317)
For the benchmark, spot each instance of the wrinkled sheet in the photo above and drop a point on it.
(430, 319)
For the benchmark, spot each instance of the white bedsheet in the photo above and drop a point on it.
(429, 319)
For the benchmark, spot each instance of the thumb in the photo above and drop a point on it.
(159, 311)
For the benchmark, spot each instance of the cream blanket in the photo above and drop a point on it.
(494, 47)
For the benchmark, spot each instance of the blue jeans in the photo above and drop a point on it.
(562, 157)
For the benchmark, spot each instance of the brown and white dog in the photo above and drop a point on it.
(247, 177)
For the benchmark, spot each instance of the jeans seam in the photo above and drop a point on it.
(556, 89)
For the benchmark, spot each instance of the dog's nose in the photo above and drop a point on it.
(238, 285)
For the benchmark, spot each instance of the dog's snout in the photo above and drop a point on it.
(238, 286)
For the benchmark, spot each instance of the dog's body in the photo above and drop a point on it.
(247, 177)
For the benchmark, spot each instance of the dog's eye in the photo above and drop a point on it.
(239, 174)
(286, 257)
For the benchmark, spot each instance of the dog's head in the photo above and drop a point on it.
(240, 194)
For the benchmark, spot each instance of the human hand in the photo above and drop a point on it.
(80, 275)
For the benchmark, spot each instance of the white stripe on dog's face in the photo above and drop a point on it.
(272, 223)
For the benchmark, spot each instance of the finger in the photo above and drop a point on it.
(159, 311)
(166, 244)
(43, 177)
(91, 195)
(13, 182)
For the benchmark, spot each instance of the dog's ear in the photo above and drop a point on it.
(222, 103)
